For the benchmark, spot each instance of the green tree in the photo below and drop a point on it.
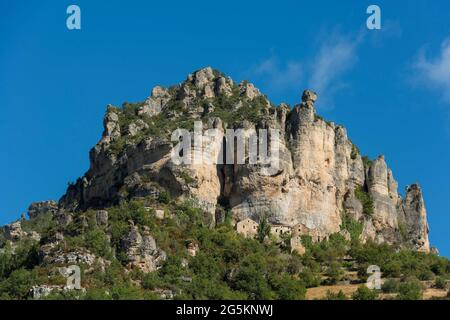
(335, 296)
(164, 197)
(18, 284)
(364, 293)
(335, 272)
(263, 229)
(390, 286)
(288, 288)
(309, 278)
(366, 200)
(126, 292)
(410, 289)
(440, 283)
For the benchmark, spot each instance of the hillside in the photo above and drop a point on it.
(141, 226)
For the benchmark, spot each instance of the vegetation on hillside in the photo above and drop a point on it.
(228, 266)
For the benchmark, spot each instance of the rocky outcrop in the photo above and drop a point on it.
(53, 255)
(320, 176)
(38, 208)
(141, 250)
(13, 231)
(415, 218)
(101, 218)
(154, 104)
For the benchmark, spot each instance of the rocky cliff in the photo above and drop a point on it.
(322, 179)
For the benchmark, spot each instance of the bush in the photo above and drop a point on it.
(25, 255)
(251, 278)
(440, 283)
(366, 161)
(335, 272)
(287, 288)
(126, 292)
(335, 296)
(310, 278)
(263, 229)
(97, 294)
(390, 286)
(410, 289)
(151, 281)
(364, 293)
(355, 151)
(18, 284)
(426, 275)
(164, 197)
(98, 242)
(354, 227)
(366, 200)
(330, 250)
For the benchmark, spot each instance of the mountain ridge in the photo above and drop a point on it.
(152, 223)
(314, 153)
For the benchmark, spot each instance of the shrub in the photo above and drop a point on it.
(310, 278)
(40, 223)
(403, 232)
(366, 161)
(335, 272)
(335, 296)
(390, 286)
(440, 283)
(18, 284)
(251, 278)
(164, 197)
(354, 227)
(425, 275)
(366, 200)
(329, 250)
(97, 294)
(410, 289)
(98, 242)
(364, 293)
(126, 292)
(187, 178)
(151, 281)
(287, 288)
(355, 151)
(263, 229)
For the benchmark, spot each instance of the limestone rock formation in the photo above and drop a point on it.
(37, 208)
(13, 231)
(141, 250)
(321, 175)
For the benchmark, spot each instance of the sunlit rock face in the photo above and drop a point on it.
(314, 185)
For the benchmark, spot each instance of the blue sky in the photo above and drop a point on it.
(390, 88)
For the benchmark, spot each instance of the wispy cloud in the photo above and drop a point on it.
(278, 76)
(322, 70)
(434, 72)
(336, 55)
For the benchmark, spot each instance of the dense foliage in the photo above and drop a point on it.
(228, 266)
(366, 200)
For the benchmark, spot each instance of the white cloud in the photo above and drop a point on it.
(335, 56)
(322, 71)
(279, 77)
(435, 72)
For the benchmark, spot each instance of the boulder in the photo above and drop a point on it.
(141, 250)
(13, 231)
(38, 208)
(101, 217)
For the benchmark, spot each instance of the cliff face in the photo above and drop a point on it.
(321, 179)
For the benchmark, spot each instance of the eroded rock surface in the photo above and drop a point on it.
(319, 170)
